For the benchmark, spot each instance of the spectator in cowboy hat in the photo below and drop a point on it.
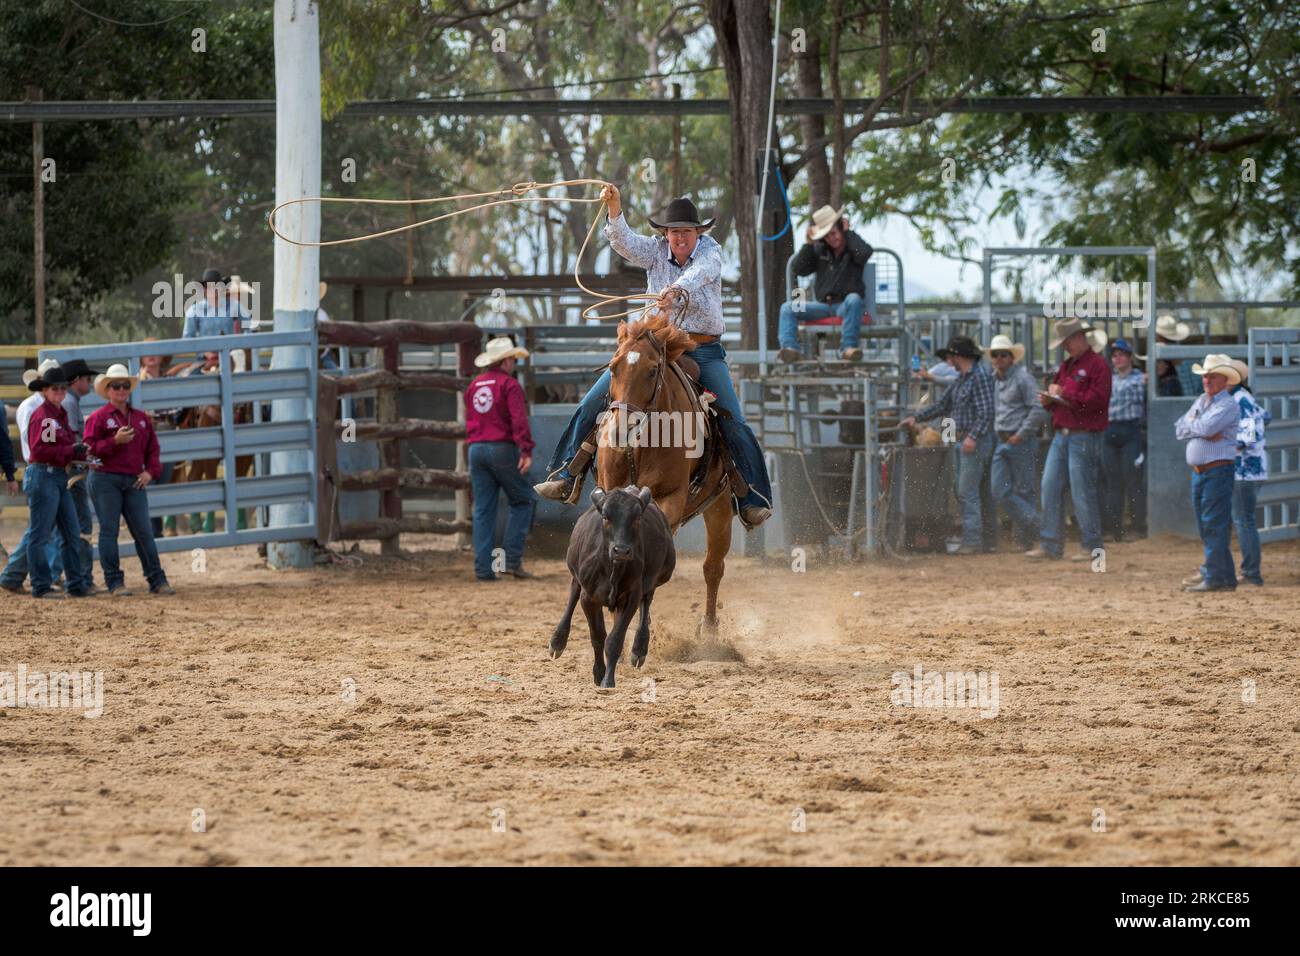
(53, 447)
(16, 567)
(214, 314)
(500, 454)
(836, 254)
(1013, 478)
(1124, 445)
(1210, 429)
(123, 438)
(971, 403)
(1170, 331)
(79, 376)
(1249, 469)
(1078, 401)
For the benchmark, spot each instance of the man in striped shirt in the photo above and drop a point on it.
(971, 405)
(1123, 450)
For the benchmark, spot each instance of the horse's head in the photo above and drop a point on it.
(644, 350)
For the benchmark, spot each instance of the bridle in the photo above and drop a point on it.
(629, 407)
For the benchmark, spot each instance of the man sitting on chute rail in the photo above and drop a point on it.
(684, 269)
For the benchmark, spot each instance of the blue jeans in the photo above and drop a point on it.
(1123, 445)
(1072, 462)
(117, 498)
(1212, 505)
(1014, 483)
(51, 507)
(15, 571)
(494, 468)
(973, 493)
(714, 376)
(850, 309)
(1244, 496)
(86, 524)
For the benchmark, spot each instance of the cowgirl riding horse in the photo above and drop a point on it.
(680, 260)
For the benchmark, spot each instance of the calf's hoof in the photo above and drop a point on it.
(556, 648)
(607, 683)
(636, 659)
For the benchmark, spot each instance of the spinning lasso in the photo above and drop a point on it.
(517, 196)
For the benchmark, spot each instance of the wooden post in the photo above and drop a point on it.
(390, 450)
(38, 219)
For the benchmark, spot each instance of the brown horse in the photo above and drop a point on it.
(641, 381)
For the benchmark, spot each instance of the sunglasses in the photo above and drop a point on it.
(119, 386)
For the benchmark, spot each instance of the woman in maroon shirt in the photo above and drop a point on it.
(124, 439)
(53, 447)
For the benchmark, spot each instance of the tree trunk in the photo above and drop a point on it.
(808, 85)
(743, 32)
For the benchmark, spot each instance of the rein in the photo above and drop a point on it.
(629, 407)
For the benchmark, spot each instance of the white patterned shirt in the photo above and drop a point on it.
(701, 276)
(1252, 459)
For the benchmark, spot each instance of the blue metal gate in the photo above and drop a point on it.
(1274, 359)
(258, 438)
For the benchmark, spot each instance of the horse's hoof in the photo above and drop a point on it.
(636, 659)
(706, 629)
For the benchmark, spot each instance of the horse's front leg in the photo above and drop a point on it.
(717, 522)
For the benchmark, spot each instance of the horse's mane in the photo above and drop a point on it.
(674, 340)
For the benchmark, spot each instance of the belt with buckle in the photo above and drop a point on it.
(1201, 469)
(703, 339)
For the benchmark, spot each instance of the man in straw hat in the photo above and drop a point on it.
(1078, 401)
(1123, 452)
(500, 454)
(836, 254)
(124, 440)
(1210, 429)
(971, 404)
(1019, 420)
(682, 265)
(1250, 467)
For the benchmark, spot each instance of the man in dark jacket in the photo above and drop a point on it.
(836, 254)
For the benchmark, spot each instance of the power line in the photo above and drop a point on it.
(92, 110)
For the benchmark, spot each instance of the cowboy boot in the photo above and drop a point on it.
(169, 526)
(559, 488)
(751, 516)
(196, 523)
(241, 519)
(210, 522)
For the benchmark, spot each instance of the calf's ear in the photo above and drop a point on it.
(644, 496)
(597, 499)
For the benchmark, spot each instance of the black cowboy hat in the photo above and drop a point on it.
(960, 345)
(682, 214)
(53, 376)
(77, 368)
(214, 275)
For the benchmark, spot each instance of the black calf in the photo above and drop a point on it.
(620, 551)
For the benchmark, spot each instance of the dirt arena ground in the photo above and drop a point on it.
(465, 744)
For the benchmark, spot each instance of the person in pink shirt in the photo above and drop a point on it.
(124, 440)
(500, 454)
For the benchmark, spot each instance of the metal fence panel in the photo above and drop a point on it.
(1274, 359)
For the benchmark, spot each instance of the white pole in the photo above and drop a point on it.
(297, 268)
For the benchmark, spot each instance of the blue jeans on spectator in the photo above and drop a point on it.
(1212, 505)
(86, 524)
(1244, 496)
(51, 507)
(1073, 462)
(1014, 481)
(714, 376)
(850, 309)
(117, 498)
(973, 493)
(1123, 445)
(494, 468)
(15, 571)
